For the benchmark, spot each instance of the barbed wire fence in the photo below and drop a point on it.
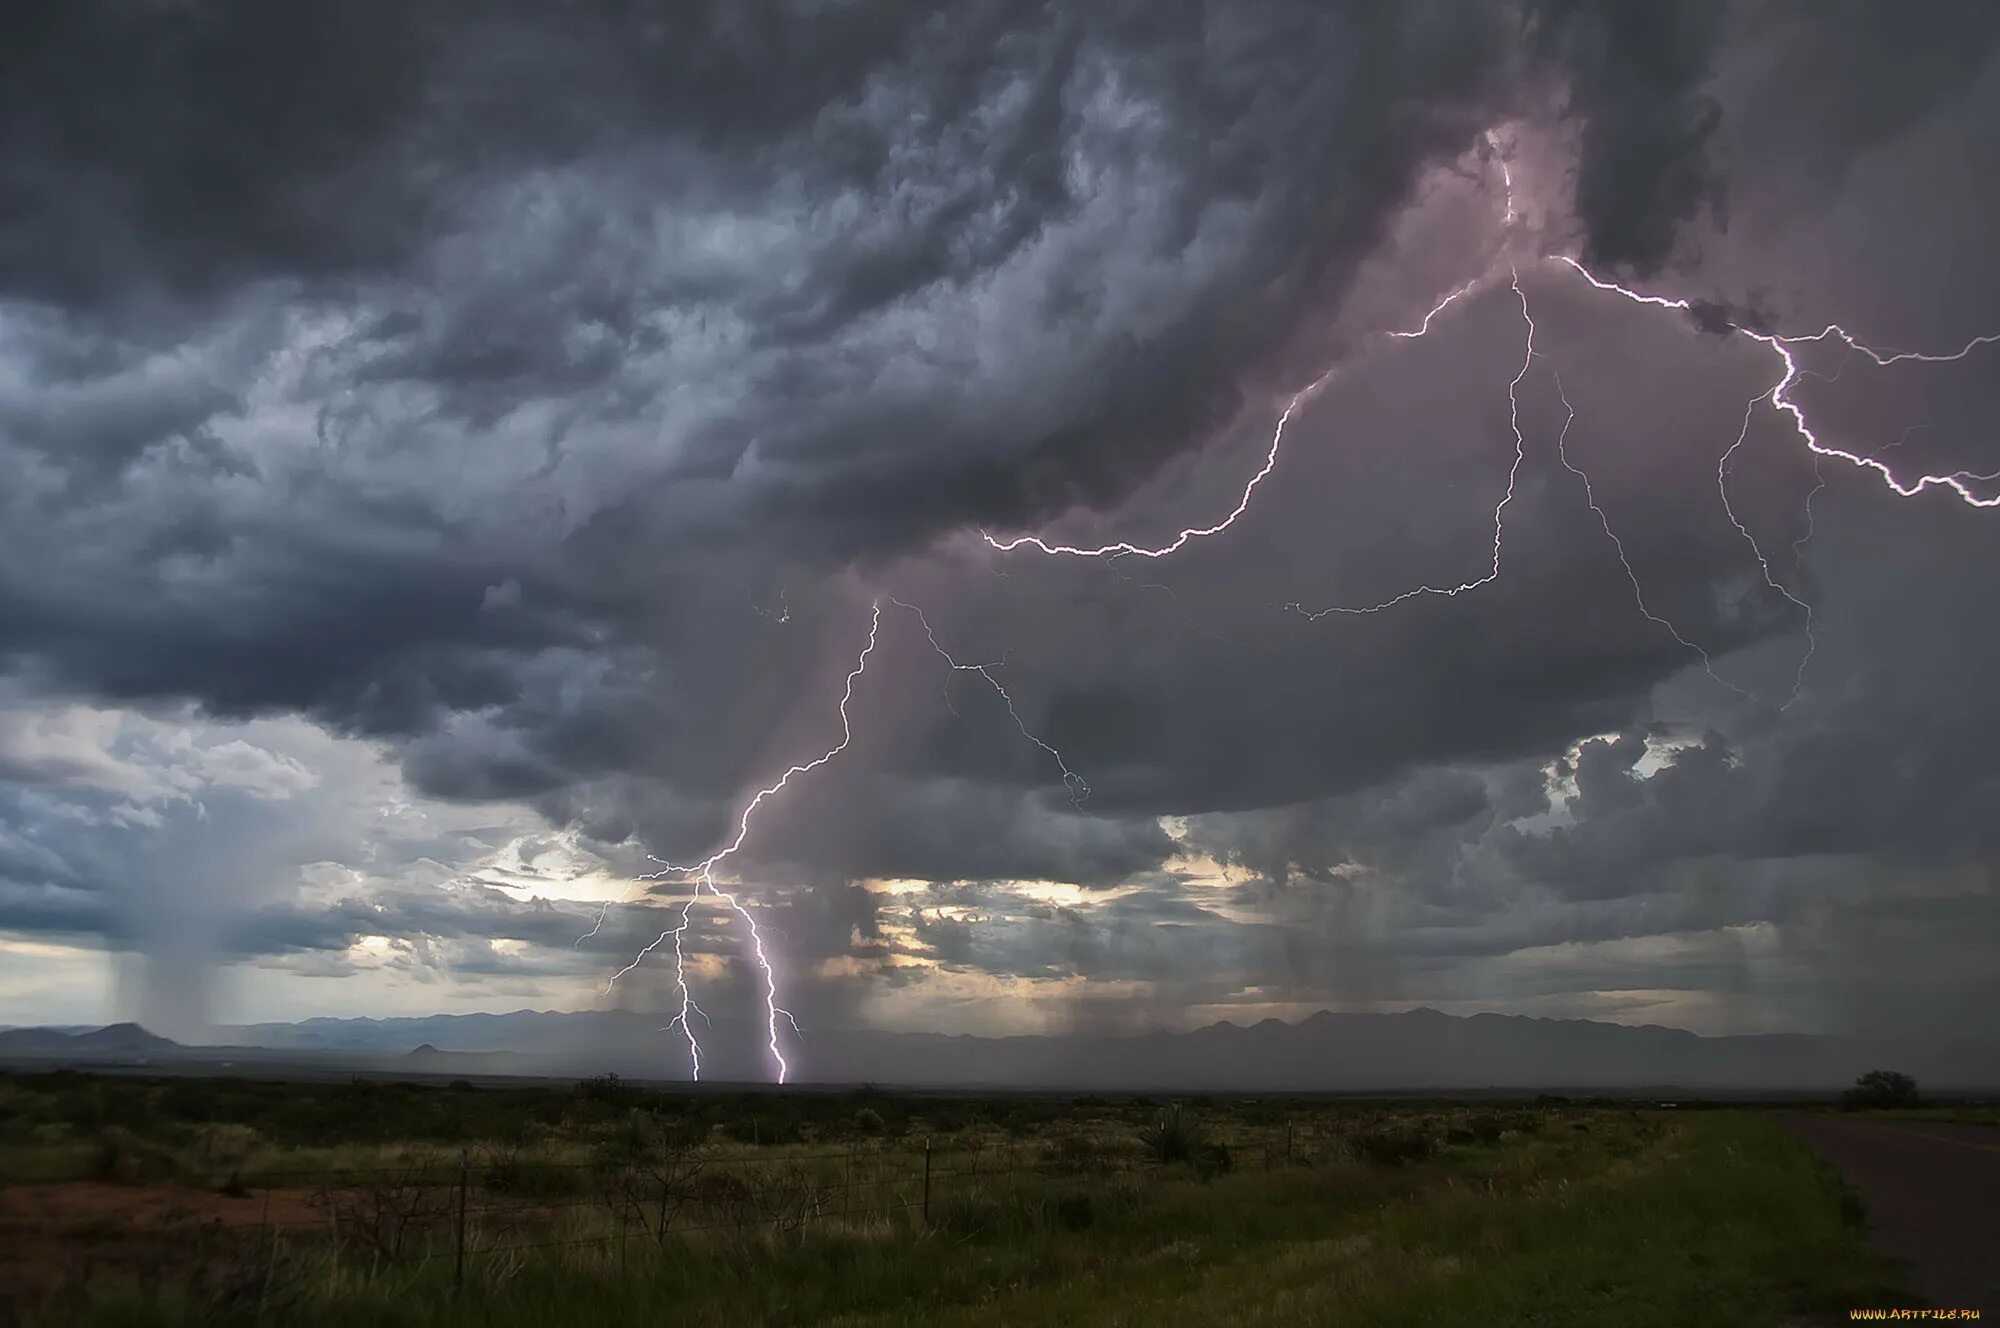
(457, 1208)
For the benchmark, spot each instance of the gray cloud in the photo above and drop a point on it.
(475, 385)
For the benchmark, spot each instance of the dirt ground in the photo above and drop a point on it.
(52, 1233)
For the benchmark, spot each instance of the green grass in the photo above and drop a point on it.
(1550, 1217)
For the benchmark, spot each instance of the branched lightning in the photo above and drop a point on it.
(703, 873)
(1078, 788)
(1499, 512)
(1638, 594)
(1779, 394)
(1722, 487)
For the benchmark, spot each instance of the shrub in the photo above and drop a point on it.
(1175, 1135)
(1881, 1088)
(1212, 1159)
(1077, 1153)
(521, 1177)
(969, 1216)
(1075, 1210)
(603, 1089)
(1389, 1145)
(222, 1146)
(868, 1121)
(123, 1156)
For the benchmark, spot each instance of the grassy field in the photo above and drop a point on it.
(131, 1201)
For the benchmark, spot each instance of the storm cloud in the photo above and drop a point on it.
(448, 457)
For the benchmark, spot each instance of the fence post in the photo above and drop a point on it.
(458, 1260)
(1288, 1143)
(927, 1181)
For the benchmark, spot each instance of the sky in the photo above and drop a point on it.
(452, 459)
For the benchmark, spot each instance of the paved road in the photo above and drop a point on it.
(1933, 1195)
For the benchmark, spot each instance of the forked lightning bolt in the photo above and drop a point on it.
(703, 873)
(1780, 393)
(1513, 473)
(1779, 396)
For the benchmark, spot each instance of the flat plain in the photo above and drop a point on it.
(134, 1200)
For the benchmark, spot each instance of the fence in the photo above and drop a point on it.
(452, 1208)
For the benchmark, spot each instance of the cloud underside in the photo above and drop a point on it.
(432, 441)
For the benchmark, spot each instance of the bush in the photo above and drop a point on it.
(1879, 1089)
(1389, 1145)
(764, 1131)
(1213, 1159)
(1175, 1135)
(868, 1121)
(1075, 1210)
(603, 1089)
(222, 1146)
(531, 1178)
(1077, 1153)
(123, 1156)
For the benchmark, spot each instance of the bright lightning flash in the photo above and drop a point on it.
(703, 873)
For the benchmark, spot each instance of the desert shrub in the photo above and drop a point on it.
(970, 1216)
(1393, 1145)
(1077, 1153)
(522, 1177)
(868, 1121)
(1880, 1089)
(120, 1155)
(1175, 1135)
(223, 1146)
(1074, 1210)
(603, 1090)
(1212, 1159)
(764, 1130)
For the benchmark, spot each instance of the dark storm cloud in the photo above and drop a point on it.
(1644, 121)
(479, 381)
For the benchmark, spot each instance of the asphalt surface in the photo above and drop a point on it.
(1933, 1196)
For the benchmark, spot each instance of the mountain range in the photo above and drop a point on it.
(1421, 1050)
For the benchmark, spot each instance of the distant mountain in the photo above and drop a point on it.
(114, 1041)
(1419, 1050)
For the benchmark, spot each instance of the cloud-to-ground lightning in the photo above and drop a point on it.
(1078, 788)
(1779, 395)
(1499, 512)
(703, 873)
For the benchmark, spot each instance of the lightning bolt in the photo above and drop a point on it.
(1722, 487)
(1638, 594)
(1123, 548)
(1513, 472)
(1779, 394)
(704, 874)
(1078, 789)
